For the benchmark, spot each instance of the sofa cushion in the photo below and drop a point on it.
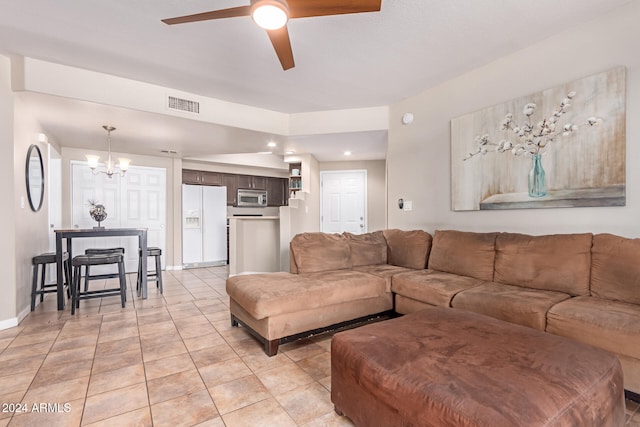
(386, 271)
(367, 249)
(270, 294)
(558, 262)
(615, 268)
(527, 307)
(431, 286)
(314, 252)
(408, 248)
(611, 325)
(463, 253)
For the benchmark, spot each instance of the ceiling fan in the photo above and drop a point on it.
(272, 15)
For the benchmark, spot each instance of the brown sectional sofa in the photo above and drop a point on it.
(582, 286)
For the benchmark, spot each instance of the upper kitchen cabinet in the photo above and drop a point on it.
(277, 188)
(211, 178)
(252, 182)
(231, 182)
(201, 177)
(191, 177)
(276, 191)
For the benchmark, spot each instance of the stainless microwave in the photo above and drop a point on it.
(255, 198)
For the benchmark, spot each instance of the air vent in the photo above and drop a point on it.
(184, 105)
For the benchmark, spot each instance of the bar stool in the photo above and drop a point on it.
(43, 260)
(89, 260)
(157, 275)
(100, 251)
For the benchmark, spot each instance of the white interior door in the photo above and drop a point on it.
(343, 201)
(136, 200)
(143, 203)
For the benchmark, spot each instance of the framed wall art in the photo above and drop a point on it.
(561, 147)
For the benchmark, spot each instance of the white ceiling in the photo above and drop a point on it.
(342, 62)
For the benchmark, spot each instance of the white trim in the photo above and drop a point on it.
(24, 313)
(9, 323)
(172, 267)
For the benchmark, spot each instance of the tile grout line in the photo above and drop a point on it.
(93, 361)
(144, 366)
(37, 372)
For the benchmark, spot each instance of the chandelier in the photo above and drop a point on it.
(123, 164)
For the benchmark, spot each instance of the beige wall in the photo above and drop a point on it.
(376, 188)
(419, 162)
(31, 228)
(8, 312)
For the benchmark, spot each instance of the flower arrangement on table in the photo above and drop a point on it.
(97, 211)
(532, 140)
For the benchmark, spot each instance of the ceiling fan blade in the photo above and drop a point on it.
(308, 8)
(282, 44)
(215, 14)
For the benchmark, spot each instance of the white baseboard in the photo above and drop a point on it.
(25, 311)
(9, 323)
(172, 267)
(15, 321)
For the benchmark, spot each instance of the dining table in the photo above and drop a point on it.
(72, 233)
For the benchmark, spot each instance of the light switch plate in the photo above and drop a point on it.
(408, 205)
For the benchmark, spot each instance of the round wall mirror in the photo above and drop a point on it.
(35, 178)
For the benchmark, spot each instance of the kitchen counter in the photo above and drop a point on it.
(248, 217)
(254, 244)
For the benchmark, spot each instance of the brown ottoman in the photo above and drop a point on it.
(445, 367)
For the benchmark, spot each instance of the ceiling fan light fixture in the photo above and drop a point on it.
(270, 14)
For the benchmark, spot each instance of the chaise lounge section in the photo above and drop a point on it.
(336, 280)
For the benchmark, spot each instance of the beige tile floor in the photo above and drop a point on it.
(171, 360)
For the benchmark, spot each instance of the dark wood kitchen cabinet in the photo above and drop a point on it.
(191, 177)
(277, 188)
(201, 177)
(276, 191)
(252, 182)
(211, 178)
(231, 182)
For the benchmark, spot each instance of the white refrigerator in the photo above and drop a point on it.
(204, 226)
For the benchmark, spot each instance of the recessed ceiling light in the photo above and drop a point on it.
(347, 153)
(272, 144)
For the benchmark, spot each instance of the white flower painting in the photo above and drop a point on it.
(574, 132)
